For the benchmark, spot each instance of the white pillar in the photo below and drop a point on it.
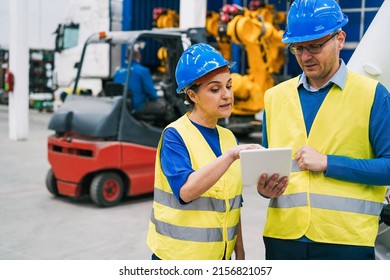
(193, 13)
(371, 57)
(19, 66)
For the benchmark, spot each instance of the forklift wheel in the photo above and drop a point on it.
(107, 189)
(51, 183)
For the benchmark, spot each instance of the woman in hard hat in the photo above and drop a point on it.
(198, 190)
(338, 124)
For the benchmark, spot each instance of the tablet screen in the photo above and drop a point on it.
(272, 160)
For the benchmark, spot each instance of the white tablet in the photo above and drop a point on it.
(272, 160)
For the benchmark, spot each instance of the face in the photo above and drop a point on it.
(213, 100)
(320, 67)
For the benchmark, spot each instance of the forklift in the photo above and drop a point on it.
(99, 146)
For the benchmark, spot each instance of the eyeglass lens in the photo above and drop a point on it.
(312, 49)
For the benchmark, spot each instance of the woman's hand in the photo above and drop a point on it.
(235, 151)
(272, 186)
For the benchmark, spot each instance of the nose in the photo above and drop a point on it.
(227, 92)
(305, 54)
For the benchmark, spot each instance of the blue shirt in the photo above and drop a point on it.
(364, 171)
(175, 159)
(141, 84)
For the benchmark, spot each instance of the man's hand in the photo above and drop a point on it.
(272, 187)
(309, 158)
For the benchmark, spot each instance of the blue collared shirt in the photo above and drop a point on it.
(338, 79)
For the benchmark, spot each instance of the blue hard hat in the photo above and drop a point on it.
(195, 62)
(309, 20)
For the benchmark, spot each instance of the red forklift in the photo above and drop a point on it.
(99, 147)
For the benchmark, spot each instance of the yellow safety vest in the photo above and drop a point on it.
(206, 228)
(325, 209)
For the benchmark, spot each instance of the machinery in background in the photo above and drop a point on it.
(165, 18)
(81, 19)
(89, 16)
(100, 148)
(257, 31)
(212, 27)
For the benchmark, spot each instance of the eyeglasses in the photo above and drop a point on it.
(312, 49)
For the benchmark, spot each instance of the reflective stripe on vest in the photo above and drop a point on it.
(328, 202)
(191, 233)
(202, 203)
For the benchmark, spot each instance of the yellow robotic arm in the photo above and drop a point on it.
(212, 28)
(164, 18)
(258, 33)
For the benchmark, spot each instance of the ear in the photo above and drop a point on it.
(191, 95)
(341, 39)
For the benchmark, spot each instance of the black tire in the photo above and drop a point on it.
(51, 183)
(107, 189)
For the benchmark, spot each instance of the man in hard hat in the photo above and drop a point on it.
(338, 124)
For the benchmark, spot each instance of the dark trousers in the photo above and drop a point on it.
(280, 249)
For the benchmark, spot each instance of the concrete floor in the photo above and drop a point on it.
(36, 226)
